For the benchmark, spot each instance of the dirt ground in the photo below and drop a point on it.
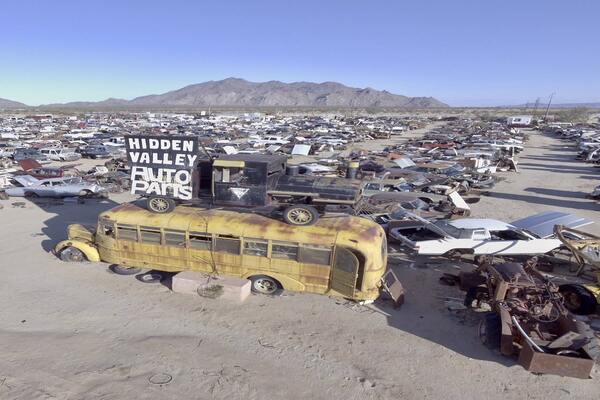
(75, 331)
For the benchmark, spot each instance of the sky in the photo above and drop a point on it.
(465, 53)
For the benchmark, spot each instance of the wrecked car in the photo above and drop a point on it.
(528, 236)
(28, 186)
(529, 319)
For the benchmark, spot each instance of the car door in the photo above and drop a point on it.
(44, 189)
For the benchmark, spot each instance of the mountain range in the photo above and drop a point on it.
(10, 105)
(235, 92)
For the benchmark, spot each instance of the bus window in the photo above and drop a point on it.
(227, 244)
(255, 247)
(127, 232)
(284, 251)
(314, 255)
(108, 228)
(175, 238)
(200, 241)
(150, 235)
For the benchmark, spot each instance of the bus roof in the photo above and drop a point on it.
(326, 231)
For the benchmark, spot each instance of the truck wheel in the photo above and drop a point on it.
(300, 215)
(160, 205)
(578, 299)
(264, 284)
(72, 254)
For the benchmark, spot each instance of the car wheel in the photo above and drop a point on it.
(300, 215)
(85, 193)
(264, 284)
(31, 195)
(72, 254)
(160, 205)
(578, 299)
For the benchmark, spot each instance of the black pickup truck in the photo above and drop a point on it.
(263, 181)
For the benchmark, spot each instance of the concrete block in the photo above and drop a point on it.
(228, 288)
(234, 289)
(188, 282)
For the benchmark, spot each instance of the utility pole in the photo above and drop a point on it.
(535, 107)
(548, 107)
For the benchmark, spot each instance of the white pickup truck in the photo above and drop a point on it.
(527, 236)
(60, 154)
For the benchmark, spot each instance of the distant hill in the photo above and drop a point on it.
(111, 102)
(235, 92)
(542, 106)
(9, 104)
(576, 105)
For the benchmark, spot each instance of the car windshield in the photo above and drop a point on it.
(449, 229)
(72, 181)
(416, 204)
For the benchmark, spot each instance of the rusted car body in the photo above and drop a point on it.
(529, 318)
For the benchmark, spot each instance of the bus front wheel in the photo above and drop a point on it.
(160, 205)
(264, 284)
(72, 254)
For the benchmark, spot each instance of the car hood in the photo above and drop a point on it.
(26, 180)
(542, 224)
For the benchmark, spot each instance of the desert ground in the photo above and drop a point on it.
(76, 331)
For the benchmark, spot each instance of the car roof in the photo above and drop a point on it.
(480, 223)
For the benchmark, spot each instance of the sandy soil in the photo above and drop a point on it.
(75, 331)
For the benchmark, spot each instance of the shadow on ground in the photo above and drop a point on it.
(425, 315)
(64, 213)
(568, 203)
(557, 192)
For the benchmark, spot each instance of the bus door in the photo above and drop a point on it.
(344, 272)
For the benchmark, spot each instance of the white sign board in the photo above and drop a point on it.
(162, 165)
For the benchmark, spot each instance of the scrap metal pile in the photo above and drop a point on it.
(585, 138)
(529, 319)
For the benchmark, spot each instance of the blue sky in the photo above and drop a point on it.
(461, 52)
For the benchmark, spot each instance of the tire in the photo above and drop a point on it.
(117, 269)
(490, 330)
(265, 284)
(300, 215)
(72, 254)
(160, 205)
(84, 193)
(149, 277)
(31, 195)
(578, 299)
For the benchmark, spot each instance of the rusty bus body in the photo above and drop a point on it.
(340, 256)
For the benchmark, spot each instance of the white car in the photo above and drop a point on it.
(268, 140)
(28, 186)
(527, 236)
(60, 154)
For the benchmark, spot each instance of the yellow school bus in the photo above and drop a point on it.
(341, 256)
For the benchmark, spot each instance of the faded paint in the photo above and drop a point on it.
(362, 236)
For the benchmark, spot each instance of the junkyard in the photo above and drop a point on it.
(487, 286)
